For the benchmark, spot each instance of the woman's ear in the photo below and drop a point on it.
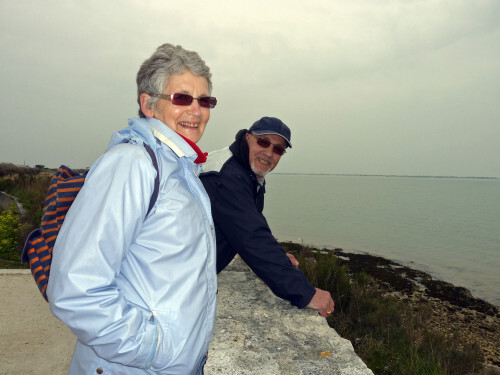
(148, 112)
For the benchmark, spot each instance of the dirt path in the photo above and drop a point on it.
(46, 346)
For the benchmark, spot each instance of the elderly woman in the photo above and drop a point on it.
(137, 285)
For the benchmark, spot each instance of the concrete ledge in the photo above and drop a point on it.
(259, 333)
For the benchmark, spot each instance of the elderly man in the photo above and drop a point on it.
(234, 179)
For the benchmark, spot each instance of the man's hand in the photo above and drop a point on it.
(322, 302)
(294, 261)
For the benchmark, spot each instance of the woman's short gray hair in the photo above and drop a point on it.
(168, 60)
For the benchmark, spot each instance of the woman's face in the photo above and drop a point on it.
(189, 120)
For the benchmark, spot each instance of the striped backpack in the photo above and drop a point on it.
(64, 187)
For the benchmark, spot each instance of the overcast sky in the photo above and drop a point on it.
(407, 87)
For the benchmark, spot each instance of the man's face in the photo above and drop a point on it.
(263, 160)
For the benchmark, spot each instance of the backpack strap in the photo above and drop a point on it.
(156, 189)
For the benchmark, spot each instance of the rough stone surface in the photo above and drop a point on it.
(259, 333)
(256, 332)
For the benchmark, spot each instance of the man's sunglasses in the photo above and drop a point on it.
(264, 142)
(185, 99)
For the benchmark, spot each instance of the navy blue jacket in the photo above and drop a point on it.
(240, 227)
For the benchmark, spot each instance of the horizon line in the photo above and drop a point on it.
(324, 174)
(385, 175)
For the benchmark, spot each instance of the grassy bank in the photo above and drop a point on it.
(390, 330)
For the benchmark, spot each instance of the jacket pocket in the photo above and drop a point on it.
(165, 353)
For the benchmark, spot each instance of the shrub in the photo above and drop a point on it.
(7, 169)
(323, 270)
(10, 227)
(31, 191)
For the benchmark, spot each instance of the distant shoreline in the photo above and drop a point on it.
(414, 279)
(53, 169)
(283, 239)
(386, 175)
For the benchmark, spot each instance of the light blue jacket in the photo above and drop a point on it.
(139, 293)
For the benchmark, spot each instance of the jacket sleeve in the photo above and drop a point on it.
(236, 214)
(94, 240)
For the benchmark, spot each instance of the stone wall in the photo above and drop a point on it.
(6, 200)
(259, 333)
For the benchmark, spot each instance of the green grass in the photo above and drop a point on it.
(31, 191)
(389, 336)
(5, 264)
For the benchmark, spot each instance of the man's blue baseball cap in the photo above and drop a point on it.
(272, 125)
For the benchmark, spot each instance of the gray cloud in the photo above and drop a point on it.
(391, 87)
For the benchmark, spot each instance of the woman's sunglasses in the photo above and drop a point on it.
(264, 142)
(185, 99)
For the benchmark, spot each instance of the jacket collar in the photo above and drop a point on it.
(181, 145)
(240, 151)
(202, 156)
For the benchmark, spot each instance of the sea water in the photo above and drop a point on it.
(448, 227)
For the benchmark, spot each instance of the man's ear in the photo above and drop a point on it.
(144, 106)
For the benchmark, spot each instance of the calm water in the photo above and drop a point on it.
(449, 227)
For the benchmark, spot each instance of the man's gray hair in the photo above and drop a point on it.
(168, 60)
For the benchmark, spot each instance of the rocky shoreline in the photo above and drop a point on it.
(454, 309)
